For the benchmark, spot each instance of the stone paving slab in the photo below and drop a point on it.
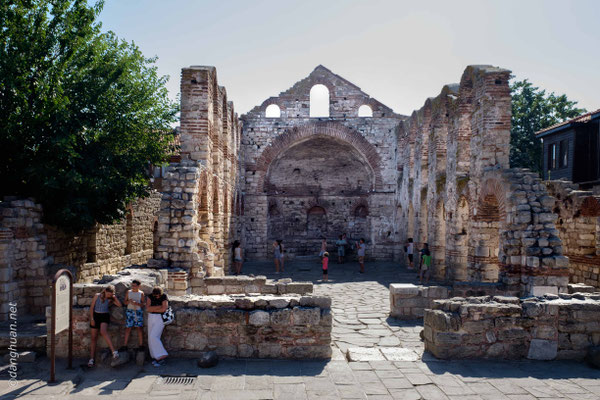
(401, 370)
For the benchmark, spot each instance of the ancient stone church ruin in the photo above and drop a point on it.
(298, 170)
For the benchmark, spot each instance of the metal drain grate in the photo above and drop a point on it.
(177, 380)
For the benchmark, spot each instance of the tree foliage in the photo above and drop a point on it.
(532, 111)
(82, 113)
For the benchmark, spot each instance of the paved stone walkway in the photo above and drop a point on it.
(360, 307)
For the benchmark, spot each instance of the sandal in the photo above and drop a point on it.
(91, 363)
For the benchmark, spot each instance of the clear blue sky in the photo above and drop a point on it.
(399, 52)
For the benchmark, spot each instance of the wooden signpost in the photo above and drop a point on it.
(62, 315)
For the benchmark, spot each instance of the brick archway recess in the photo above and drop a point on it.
(298, 134)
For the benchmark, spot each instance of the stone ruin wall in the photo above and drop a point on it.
(305, 177)
(277, 320)
(551, 327)
(31, 252)
(578, 226)
(198, 218)
(483, 221)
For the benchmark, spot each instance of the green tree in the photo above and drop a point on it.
(82, 113)
(534, 110)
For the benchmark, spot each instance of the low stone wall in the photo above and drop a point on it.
(541, 328)
(259, 326)
(175, 282)
(408, 301)
(246, 285)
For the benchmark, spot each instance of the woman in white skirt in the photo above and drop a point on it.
(156, 304)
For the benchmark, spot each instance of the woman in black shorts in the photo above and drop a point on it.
(100, 318)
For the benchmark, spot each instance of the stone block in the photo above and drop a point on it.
(259, 318)
(542, 290)
(306, 316)
(540, 349)
(404, 290)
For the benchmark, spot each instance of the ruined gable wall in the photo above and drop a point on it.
(373, 138)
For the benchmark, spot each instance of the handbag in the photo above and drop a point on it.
(168, 316)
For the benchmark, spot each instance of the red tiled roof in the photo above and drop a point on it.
(582, 118)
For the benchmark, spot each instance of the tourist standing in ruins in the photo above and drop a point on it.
(425, 263)
(100, 319)
(341, 244)
(409, 249)
(325, 261)
(278, 255)
(361, 247)
(323, 247)
(237, 257)
(156, 304)
(134, 300)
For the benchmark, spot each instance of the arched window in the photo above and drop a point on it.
(365, 111)
(319, 101)
(361, 212)
(272, 111)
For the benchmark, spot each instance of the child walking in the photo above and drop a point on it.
(134, 300)
(100, 318)
(325, 265)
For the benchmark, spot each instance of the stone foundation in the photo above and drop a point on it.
(541, 328)
(245, 326)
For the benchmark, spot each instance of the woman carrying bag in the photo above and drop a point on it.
(156, 304)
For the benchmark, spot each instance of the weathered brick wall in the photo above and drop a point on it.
(578, 227)
(294, 163)
(199, 217)
(543, 328)
(482, 221)
(263, 326)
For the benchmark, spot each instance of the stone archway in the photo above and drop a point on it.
(328, 129)
(317, 185)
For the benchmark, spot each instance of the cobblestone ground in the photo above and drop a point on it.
(362, 327)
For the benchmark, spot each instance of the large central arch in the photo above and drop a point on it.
(298, 134)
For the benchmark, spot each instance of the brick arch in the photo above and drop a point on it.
(362, 202)
(298, 134)
(493, 197)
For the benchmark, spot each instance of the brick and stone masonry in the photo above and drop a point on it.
(289, 325)
(551, 327)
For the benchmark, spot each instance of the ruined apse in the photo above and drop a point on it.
(320, 160)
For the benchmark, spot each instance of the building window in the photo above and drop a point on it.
(552, 156)
(563, 160)
(319, 101)
(365, 111)
(272, 111)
